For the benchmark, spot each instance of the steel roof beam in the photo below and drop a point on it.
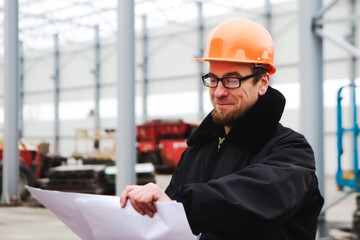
(69, 20)
(350, 17)
(326, 8)
(354, 51)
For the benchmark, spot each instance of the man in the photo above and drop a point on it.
(244, 175)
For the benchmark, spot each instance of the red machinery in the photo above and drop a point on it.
(26, 176)
(26, 157)
(33, 166)
(162, 142)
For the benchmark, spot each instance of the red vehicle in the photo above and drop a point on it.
(162, 142)
(26, 174)
(33, 166)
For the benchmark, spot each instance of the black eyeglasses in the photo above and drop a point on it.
(212, 81)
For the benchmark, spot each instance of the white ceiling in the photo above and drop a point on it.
(74, 20)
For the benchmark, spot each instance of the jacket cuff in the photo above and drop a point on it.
(179, 197)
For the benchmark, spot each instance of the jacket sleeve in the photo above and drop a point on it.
(265, 194)
(171, 188)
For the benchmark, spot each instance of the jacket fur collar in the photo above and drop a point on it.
(251, 131)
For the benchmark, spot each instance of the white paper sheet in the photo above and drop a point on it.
(94, 217)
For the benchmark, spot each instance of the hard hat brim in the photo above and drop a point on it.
(272, 68)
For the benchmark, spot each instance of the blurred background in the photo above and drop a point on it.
(61, 105)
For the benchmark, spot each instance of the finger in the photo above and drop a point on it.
(143, 208)
(146, 204)
(125, 195)
(123, 198)
(149, 209)
(136, 206)
(137, 200)
(149, 198)
(141, 200)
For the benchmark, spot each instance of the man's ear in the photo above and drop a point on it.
(263, 84)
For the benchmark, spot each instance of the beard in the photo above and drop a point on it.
(225, 119)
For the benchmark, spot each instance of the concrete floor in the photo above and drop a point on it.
(25, 223)
(36, 223)
(339, 216)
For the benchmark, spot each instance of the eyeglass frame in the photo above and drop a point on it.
(240, 79)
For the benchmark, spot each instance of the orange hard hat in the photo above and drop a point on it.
(240, 40)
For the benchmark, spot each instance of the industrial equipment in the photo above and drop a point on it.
(349, 177)
(34, 164)
(95, 146)
(160, 142)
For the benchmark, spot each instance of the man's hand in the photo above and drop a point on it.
(143, 197)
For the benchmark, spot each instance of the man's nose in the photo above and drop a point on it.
(220, 90)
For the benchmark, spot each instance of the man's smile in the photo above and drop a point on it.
(223, 105)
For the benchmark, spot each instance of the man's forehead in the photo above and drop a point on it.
(230, 67)
(233, 73)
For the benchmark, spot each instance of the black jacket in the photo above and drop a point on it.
(261, 184)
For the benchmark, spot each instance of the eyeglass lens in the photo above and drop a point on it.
(228, 82)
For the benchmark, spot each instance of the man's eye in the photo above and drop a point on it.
(212, 80)
(232, 81)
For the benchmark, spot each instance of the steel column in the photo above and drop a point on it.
(21, 89)
(311, 83)
(10, 176)
(96, 72)
(200, 64)
(144, 67)
(351, 38)
(56, 78)
(353, 60)
(125, 154)
(268, 15)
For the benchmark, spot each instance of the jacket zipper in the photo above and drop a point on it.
(221, 140)
(214, 161)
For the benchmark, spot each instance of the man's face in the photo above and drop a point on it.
(231, 104)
